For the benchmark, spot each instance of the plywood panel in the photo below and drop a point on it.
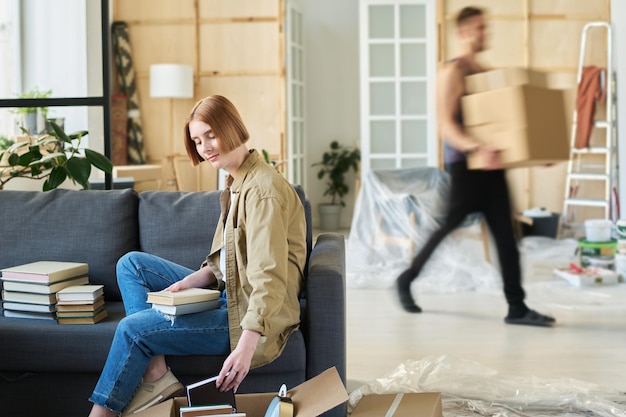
(237, 8)
(556, 44)
(500, 51)
(163, 122)
(490, 6)
(207, 177)
(153, 9)
(162, 44)
(258, 103)
(224, 44)
(598, 8)
(547, 187)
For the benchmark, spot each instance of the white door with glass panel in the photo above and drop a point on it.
(296, 165)
(398, 70)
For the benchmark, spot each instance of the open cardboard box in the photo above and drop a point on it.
(310, 399)
(515, 110)
(422, 404)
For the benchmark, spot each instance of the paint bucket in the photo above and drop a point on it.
(598, 230)
(597, 253)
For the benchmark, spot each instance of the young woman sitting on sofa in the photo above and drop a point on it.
(257, 257)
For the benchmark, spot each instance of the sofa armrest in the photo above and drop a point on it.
(326, 306)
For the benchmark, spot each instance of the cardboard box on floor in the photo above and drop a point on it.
(422, 404)
(514, 110)
(310, 399)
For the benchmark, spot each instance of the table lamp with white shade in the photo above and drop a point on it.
(171, 81)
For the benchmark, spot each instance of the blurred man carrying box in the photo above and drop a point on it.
(514, 110)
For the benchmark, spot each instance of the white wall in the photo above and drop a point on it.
(618, 17)
(332, 87)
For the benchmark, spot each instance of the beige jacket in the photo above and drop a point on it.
(266, 254)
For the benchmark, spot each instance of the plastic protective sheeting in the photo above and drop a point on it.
(395, 213)
(540, 256)
(470, 389)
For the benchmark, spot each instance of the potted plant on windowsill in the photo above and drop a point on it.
(53, 157)
(29, 115)
(335, 164)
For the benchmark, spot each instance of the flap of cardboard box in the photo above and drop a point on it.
(423, 404)
(319, 394)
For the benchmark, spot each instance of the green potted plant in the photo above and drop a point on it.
(54, 157)
(334, 166)
(29, 115)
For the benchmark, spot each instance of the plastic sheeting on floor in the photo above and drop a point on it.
(470, 389)
(540, 256)
(396, 211)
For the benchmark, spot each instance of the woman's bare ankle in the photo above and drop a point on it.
(156, 369)
(99, 411)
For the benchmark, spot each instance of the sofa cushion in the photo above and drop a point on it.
(96, 227)
(171, 224)
(45, 346)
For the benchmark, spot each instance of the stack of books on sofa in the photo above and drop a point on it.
(81, 304)
(187, 301)
(29, 290)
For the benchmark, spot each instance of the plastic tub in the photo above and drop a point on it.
(598, 230)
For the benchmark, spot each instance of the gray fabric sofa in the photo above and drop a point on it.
(51, 369)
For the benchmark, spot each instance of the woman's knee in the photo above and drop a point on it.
(127, 261)
(135, 326)
(130, 263)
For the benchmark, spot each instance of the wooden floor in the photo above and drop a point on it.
(588, 343)
(585, 345)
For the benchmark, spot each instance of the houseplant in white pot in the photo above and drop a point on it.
(334, 166)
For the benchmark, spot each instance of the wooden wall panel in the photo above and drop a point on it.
(500, 50)
(596, 9)
(163, 122)
(492, 7)
(236, 49)
(555, 45)
(238, 8)
(225, 48)
(162, 44)
(257, 100)
(143, 10)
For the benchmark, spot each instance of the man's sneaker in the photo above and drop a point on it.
(151, 393)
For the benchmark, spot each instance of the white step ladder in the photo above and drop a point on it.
(576, 170)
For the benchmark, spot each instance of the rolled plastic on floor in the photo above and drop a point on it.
(470, 389)
(395, 213)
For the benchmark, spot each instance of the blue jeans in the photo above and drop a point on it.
(145, 332)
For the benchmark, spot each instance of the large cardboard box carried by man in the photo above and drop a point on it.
(514, 110)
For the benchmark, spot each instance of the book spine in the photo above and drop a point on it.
(22, 276)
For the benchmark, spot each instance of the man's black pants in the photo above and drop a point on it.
(486, 192)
